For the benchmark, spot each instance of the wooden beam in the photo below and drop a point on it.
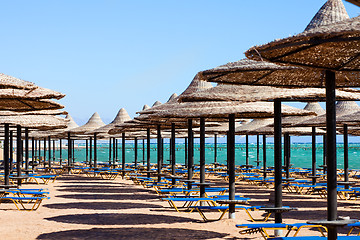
(356, 2)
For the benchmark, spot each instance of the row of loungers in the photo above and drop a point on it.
(191, 201)
(24, 199)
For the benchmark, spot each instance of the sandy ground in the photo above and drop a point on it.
(87, 208)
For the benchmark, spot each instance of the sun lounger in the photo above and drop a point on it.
(354, 226)
(188, 202)
(262, 228)
(44, 178)
(25, 203)
(224, 209)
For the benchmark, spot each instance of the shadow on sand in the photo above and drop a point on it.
(109, 196)
(102, 189)
(133, 233)
(100, 205)
(118, 219)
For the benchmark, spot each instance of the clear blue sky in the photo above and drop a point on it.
(105, 55)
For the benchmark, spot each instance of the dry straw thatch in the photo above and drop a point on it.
(254, 124)
(41, 122)
(7, 81)
(223, 109)
(145, 107)
(335, 47)
(311, 106)
(57, 133)
(246, 93)
(40, 112)
(197, 85)
(342, 108)
(120, 118)
(297, 131)
(270, 74)
(22, 105)
(34, 93)
(93, 123)
(331, 12)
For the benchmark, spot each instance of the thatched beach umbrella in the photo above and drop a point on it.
(224, 110)
(342, 108)
(285, 76)
(196, 85)
(121, 117)
(332, 50)
(93, 123)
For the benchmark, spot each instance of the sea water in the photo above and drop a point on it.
(300, 154)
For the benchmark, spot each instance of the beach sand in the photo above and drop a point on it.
(87, 208)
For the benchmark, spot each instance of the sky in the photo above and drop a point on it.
(106, 55)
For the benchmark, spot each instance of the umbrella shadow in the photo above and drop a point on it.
(109, 196)
(118, 219)
(102, 189)
(132, 233)
(100, 205)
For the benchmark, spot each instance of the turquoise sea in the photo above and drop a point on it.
(300, 154)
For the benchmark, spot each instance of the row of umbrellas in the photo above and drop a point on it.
(306, 67)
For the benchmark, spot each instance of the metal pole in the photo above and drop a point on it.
(143, 151)
(12, 151)
(231, 164)
(277, 159)
(331, 152)
(202, 156)
(313, 155)
(6, 155)
(257, 150)
(148, 151)
(73, 151)
(264, 155)
(86, 151)
(173, 151)
(44, 152)
(33, 150)
(60, 151)
(123, 153)
(39, 141)
(215, 148)
(287, 140)
(162, 152)
(136, 150)
(95, 150)
(190, 152)
(186, 152)
(18, 153)
(227, 151)
(49, 151)
(69, 148)
(159, 151)
(90, 151)
(247, 150)
(346, 155)
(26, 148)
(324, 154)
(54, 151)
(110, 151)
(114, 151)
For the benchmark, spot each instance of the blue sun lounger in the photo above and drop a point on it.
(224, 209)
(262, 228)
(25, 203)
